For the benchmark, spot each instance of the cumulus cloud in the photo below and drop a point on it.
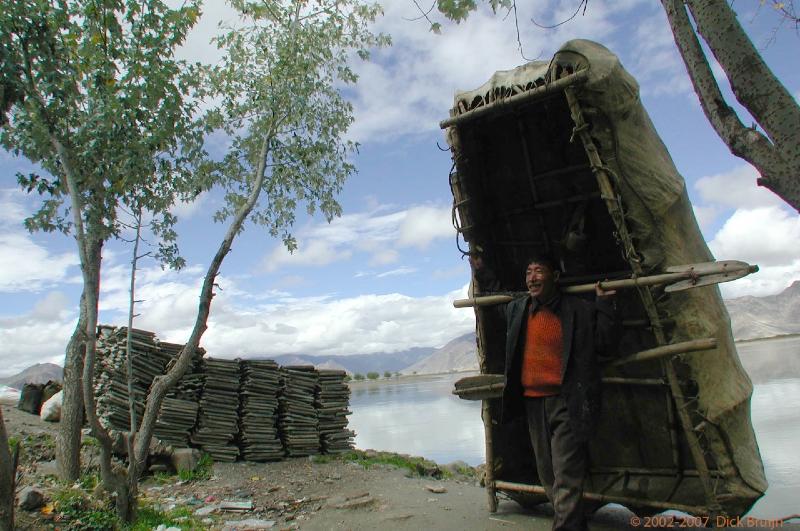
(272, 322)
(25, 263)
(766, 236)
(354, 325)
(316, 253)
(407, 89)
(377, 233)
(37, 336)
(736, 188)
(421, 225)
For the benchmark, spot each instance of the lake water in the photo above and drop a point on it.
(420, 416)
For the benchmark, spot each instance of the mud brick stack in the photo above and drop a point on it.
(331, 401)
(297, 418)
(218, 419)
(258, 411)
(111, 373)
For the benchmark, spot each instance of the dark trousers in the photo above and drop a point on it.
(561, 459)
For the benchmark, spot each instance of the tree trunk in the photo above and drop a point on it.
(776, 156)
(68, 438)
(8, 471)
(162, 384)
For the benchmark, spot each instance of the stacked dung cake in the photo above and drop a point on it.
(331, 401)
(297, 417)
(218, 418)
(258, 411)
(111, 373)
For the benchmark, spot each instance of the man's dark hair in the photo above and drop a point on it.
(543, 259)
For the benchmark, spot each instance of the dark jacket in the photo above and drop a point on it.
(589, 329)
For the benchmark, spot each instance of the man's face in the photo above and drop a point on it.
(541, 281)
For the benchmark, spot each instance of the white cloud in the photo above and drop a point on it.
(184, 210)
(38, 336)
(766, 236)
(400, 271)
(25, 264)
(706, 215)
(736, 188)
(421, 225)
(408, 88)
(315, 253)
(244, 322)
(384, 257)
(377, 233)
(356, 325)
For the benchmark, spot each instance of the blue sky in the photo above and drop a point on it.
(382, 277)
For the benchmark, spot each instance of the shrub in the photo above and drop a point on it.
(373, 375)
(358, 376)
(387, 374)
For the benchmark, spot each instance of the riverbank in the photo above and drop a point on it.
(362, 490)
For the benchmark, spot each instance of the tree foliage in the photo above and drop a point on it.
(98, 78)
(279, 84)
(92, 93)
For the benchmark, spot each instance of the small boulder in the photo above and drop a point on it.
(185, 459)
(30, 499)
(51, 409)
(47, 468)
(30, 400)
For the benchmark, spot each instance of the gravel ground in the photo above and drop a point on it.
(306, 494)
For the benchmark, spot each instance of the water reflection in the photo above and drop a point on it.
(776, 421)
(420, 416)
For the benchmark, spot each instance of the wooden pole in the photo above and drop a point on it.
(512, 102)
(488, 473)
(604, 498)
(668, 350)
(625, 283)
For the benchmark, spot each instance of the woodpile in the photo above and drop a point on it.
(218, 419)
(253, 409)
(331, 401)
(297, 418)
(111, 373)
(178, 414)
(258, 411)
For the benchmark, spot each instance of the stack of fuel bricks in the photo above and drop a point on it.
(253, 410)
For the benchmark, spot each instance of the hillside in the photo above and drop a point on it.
(379, 362)
(39, 373)
(773, 315)
(459, 354)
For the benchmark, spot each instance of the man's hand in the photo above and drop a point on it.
(602, 293)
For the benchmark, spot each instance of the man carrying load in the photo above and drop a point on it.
(553, 341)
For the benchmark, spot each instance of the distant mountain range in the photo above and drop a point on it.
(39, 373)
(773, 315)
(751, 318)
(362, 363)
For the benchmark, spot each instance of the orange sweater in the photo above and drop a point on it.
(541, 361)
